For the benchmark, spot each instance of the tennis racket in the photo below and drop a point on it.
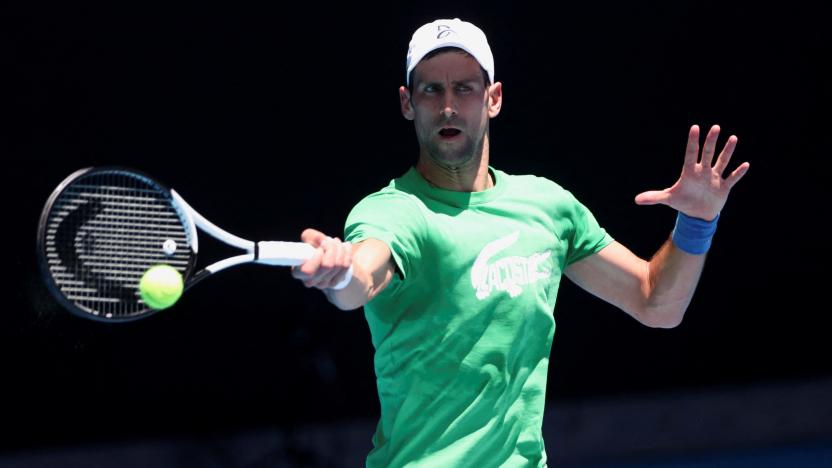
(102, 228)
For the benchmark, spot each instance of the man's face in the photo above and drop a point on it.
(449, 107)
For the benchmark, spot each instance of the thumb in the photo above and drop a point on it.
(313, 237)
(652, 197)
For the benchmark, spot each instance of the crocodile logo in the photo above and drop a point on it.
(508, 274)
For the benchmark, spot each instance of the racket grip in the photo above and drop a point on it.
(284, 253)
(344, 282)
(279, 253)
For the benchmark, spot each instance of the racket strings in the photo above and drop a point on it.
(104, 231)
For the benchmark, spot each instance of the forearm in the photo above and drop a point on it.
(654, 292)
(372, 272)
(669, 284)
(358, 292)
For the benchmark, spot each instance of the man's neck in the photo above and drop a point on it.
(471, 177)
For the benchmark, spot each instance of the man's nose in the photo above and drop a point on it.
(449, 106)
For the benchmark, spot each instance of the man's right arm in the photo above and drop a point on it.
(371, 261)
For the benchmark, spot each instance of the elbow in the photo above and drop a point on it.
(667, 317)
(667, 322)
(660, 310)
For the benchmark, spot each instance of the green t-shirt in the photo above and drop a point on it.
(463, 331)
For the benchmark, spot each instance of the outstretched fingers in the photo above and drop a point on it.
(725, 156)
(710, 146)
(652, 197)
(698, 192)
(692, 150)
(737, 175)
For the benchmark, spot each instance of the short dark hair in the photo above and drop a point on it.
(442, 50)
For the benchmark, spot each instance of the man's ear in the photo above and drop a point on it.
(495, 99)
(406, 105)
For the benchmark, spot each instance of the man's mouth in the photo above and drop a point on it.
(449, 132)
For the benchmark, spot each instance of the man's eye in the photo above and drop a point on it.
(463, 88)
(431, 89)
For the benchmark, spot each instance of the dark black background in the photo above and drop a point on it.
(272, 119)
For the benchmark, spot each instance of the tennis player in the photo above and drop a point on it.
(457, 265)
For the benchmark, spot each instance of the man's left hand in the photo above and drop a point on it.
(701, 191)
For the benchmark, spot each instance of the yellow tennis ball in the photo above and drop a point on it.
(161, 286)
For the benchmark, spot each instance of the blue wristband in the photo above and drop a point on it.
(693, 235)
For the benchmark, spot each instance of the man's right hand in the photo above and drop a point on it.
(330, 263)
(371, 260)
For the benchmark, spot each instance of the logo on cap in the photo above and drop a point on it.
(444, 31)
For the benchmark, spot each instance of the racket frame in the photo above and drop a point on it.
(275, 253)
(43, 262)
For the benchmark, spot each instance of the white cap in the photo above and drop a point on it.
(450, 33)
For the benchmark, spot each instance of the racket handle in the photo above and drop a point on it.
(290, 254)
(284, 253)
(344, 282)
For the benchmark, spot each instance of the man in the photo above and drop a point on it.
(458, 264)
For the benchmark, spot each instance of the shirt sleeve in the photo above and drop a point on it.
(393, 218)
(587, 236)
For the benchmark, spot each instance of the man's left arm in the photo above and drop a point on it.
(657, 292)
